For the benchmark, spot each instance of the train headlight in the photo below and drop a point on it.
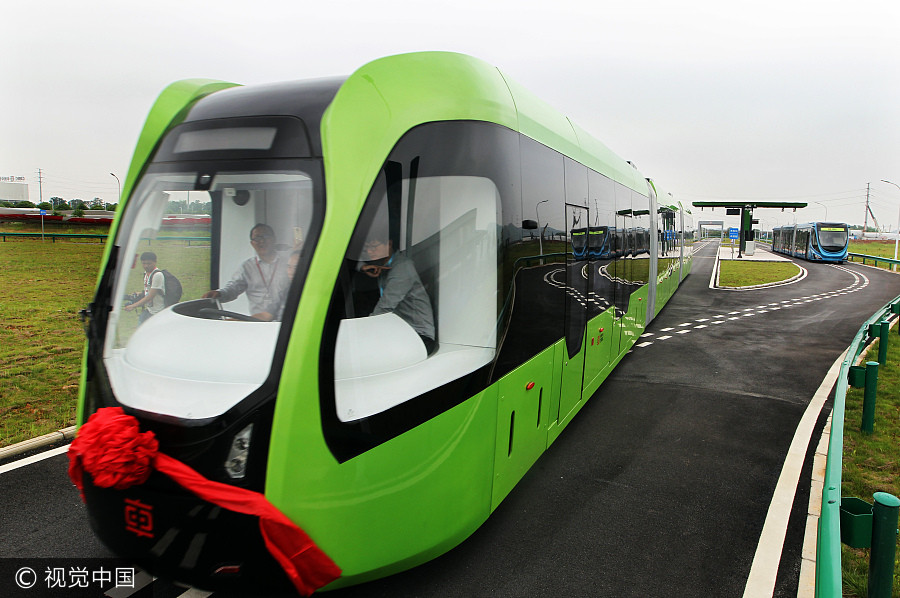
(236, 464)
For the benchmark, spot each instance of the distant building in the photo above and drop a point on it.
(13, 188)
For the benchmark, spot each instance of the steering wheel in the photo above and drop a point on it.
(211, 313)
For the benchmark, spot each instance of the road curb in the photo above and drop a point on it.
(714, 279)
(64, 435)
(798, 276)
(763, 576)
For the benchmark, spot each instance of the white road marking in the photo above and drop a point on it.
(763, 571)
(33, 459)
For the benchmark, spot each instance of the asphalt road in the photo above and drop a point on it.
(659, 487)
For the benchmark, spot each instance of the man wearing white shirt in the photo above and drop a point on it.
(154, 299)
(261, 276)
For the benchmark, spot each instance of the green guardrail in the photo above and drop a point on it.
(828, 548)
(100, 236)
(873, 258)
(54, 236)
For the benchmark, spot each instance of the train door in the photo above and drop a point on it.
(577, 273)
(652, 253)
(621, 269)
(602, 207)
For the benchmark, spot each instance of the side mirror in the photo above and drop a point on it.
(529, 224)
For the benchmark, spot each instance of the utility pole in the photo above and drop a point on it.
(40, 187)
(866, 224)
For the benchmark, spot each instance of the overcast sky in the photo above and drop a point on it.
(763, 100)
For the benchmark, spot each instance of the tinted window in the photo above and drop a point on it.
(413, 325)
(535, 259)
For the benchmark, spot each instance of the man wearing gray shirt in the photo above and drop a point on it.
(261, 276)
(401, 289)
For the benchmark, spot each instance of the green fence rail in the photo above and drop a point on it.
(873, 258)
(828, 548)
(54, 236)
(99, 236)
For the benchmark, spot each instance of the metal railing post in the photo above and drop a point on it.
(868, 415)
(884, 545)
(883, 342)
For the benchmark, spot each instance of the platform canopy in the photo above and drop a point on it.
(746, 213)
(750, 204)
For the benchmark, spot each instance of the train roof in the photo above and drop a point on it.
(402, 91)
(664, 199)
(362, 116)
(273, 99)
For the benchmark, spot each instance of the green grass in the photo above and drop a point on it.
(41, 337)
(45, 285)
(734, 273)
(871, 463)
(875, 248)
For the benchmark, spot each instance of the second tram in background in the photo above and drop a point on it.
(814, 241)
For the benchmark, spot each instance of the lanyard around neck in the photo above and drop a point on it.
(261, 275)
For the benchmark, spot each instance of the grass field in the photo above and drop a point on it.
(874, 247)
(871, 463)
(44, 285)
(735, 273)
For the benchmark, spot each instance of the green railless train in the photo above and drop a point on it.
(388, 314)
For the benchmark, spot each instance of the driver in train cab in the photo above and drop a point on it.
(262, 277)
(400, 288)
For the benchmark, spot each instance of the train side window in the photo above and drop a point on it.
(419, 283)
(534, 259)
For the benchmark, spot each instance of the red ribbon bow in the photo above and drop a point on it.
(111, 447)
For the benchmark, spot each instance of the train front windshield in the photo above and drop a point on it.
(237, 240)
(833, 238)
